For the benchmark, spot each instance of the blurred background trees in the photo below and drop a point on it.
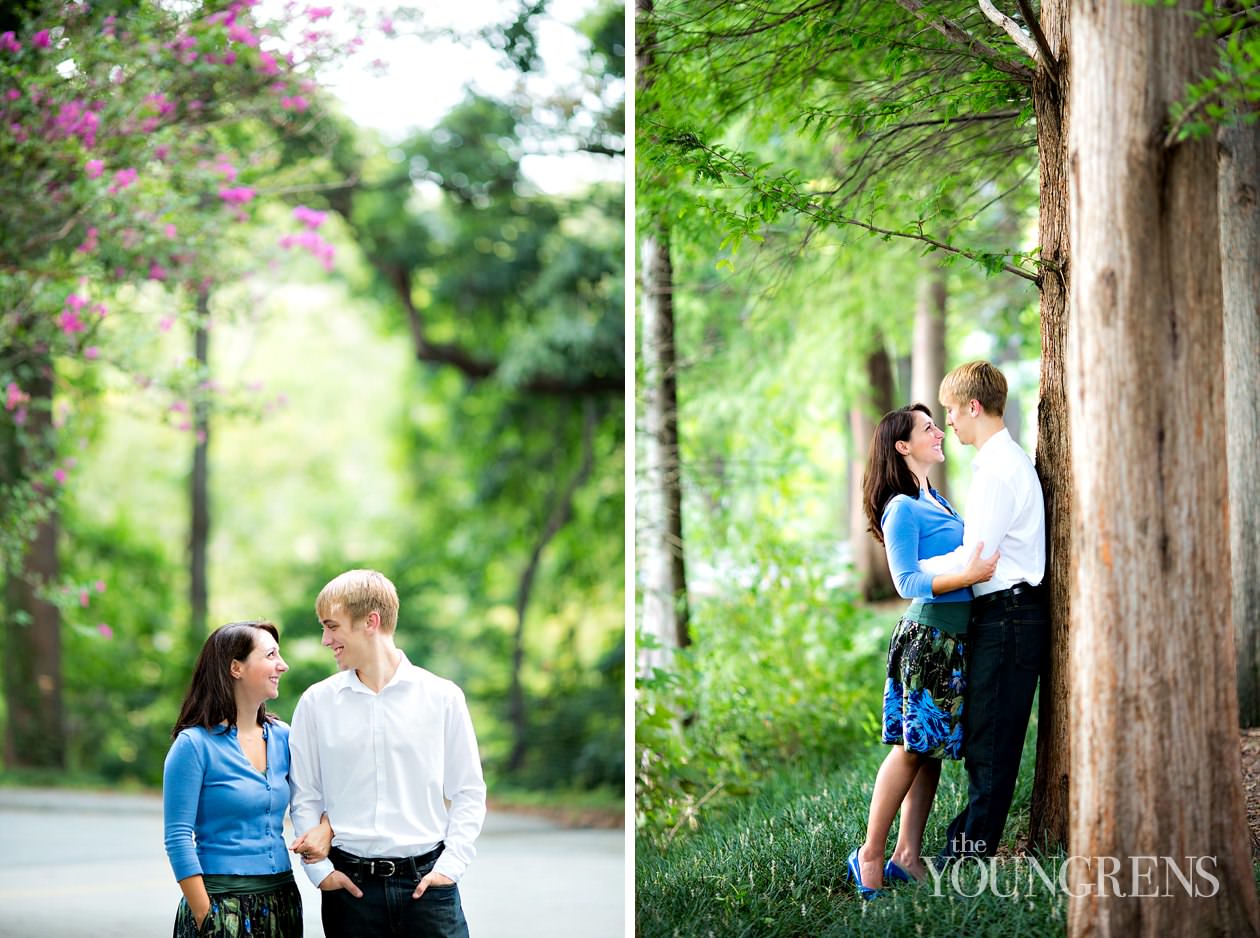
(399, 349)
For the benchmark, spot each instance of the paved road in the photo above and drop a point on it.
(74, 865)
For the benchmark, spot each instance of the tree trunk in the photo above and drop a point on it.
(199, 492)
(1048, 821)
(1156, 772)
(34, 728)
(873, 577)
(927, 363)
(665, 614)
(560, 514)
(1239, 165)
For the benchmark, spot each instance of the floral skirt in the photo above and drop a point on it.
(275, 914)
(923, 695)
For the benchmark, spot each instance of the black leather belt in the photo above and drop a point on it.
(1024, 590)
(383, 866)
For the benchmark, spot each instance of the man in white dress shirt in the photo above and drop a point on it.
(1006, 636)
(387, 750)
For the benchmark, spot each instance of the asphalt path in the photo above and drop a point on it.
(75, 864)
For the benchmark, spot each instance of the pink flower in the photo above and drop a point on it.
(105, 630)
(41, 40)
(14, 396)
(99, 586)
(122, 179)
(229, 57)
(95, 168)
(165, 323)
(83, 594)
(201, 436)
(309, 217)
(157, 271)
(169, 230)
(296, 103)
(238, 33)
(13, 94)
(319, 13)
(70, 322)
(9, 43)
(387, 26)
(91, 353)
(76, 302)
(179, 407)
(268, 66)
(162, 152)
(236, 196)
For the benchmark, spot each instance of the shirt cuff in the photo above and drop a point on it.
(449, 867)
(318, 872)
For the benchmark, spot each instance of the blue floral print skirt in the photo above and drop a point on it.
(923, 696)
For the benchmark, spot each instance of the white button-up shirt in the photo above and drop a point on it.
(1006, 510)
(384, 766)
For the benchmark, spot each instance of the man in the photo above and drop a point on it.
(383, 747)
(1006, 635)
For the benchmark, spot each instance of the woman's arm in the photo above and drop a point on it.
(194, 890)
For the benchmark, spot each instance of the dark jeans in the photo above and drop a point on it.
(1006, 642)
(387, 908)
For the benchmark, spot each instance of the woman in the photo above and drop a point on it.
(923, 694)
(225, 789)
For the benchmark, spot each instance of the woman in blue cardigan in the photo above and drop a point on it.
(225, 789)
(923, 691)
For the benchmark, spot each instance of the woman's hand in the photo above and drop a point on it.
(199, 918)
(979, 568)
(313, 846)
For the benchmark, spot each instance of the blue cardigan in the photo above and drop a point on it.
(914, 529)
(222, 815)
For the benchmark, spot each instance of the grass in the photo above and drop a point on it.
(772, 866)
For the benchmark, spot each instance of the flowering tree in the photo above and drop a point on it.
(132, 147)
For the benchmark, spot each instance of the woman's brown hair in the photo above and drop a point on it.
(211, 699)
(886, 471)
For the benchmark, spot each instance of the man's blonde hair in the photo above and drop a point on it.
(976, 381)
(360, 592)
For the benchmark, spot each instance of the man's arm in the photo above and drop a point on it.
(306, 803)
(465, 787)
(990, 513)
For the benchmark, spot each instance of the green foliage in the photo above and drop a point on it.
(773, 865)
(778, 672)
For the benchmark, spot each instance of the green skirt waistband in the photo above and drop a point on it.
(948, 617)
(219, 883)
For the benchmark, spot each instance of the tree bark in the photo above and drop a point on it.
(34, 727)
(1239, 166)
(873, 577)
(1156, 774)
(665, 609)
(660, 532)
(927, 361)
(1048, 821)
(199, 488)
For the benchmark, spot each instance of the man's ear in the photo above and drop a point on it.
(373, 621)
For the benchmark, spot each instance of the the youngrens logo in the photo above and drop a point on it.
(1138, 876)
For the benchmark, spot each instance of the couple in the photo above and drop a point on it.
(964, 659)
(380, 769)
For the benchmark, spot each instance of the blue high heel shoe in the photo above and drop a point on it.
(855, 873)
(893, 873)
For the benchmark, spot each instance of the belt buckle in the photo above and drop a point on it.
(392, 868)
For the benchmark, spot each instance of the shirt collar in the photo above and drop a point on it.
(989, 451)
(349, 679)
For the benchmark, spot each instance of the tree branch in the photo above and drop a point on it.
(955, 33)
(1034, 24)
(479, 369)
(1011, 28)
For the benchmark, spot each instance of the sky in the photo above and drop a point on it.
(423, 79)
